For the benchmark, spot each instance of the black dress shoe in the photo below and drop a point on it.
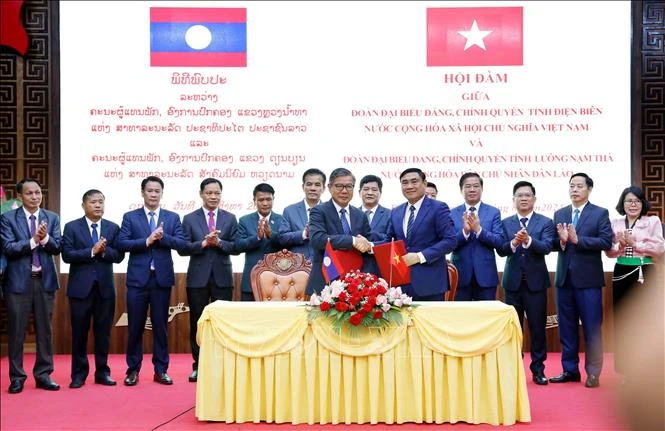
(592, 381)
(566, 376)
(540, 379)
(76, 383)
(163, 378)
(47, 384)
(106, 381)
(132, 378)
(16, 386)
(194, 376)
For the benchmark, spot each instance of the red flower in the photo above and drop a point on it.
(342, 296)
(355, 319)
(325, 306)
(355, 299)
(377, 315)
(341, 306)
(368, 306)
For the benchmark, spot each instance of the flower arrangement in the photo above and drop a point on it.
(359, 299)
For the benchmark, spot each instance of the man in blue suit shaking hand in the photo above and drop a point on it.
(425, 226)
(149, 234)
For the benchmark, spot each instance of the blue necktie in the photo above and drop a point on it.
(153, 226)
(368, 213)
(576, 217)
(35, 254)
(523, 221)
(95, 236)
(409, 223)
(345, 222)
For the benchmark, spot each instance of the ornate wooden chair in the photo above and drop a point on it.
(453, 278)
(281, 276)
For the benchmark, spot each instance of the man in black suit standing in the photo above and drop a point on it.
(30, 237)
(344, 225)
(527, 239)
(88, 245)
(210, 232)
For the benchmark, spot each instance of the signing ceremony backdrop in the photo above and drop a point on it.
(85, 104)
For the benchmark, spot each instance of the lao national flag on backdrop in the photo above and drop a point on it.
(474, 36)
(198, 37)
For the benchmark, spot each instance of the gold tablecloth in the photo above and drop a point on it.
(449, 362)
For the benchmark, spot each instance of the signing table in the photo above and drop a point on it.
(448, 362)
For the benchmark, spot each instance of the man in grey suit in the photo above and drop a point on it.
(210, 233)
(527, 239)
(378, 216)
(294, 228)
(30, 237)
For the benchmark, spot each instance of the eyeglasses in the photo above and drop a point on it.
(523, 195)
(340, 187)
(632, 202)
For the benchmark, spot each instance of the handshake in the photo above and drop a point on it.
(361, 244)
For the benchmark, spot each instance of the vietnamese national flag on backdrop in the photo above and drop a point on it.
(198, 37)
(474, 36)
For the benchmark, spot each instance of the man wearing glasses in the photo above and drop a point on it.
(336, 220)
(478, 228)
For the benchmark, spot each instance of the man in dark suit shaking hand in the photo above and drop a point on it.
(336, 220)
(527, 239)
(149, 234)
(425, 226)
(88, 245)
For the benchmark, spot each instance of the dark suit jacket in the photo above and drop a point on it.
(85, 269)
(254, 248)
(582, 261)
(380, 225)
(290, 230)
(134, 231)
(433, 235)
(15, 240)
(528, 261)
(215, 260)
(476, 254)
(324, 224)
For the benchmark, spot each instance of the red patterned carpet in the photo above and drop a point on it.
(151, 406)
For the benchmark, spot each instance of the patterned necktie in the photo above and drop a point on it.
(524, 221)
(409, 223)
(368, 213)
(35, 254)
(95, 236)
(345, 222)
(211, 221)
(576, 217)
(472, 209)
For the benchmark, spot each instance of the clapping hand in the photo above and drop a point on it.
(99, 247)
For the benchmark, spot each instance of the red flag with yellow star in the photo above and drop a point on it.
(391, 264)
